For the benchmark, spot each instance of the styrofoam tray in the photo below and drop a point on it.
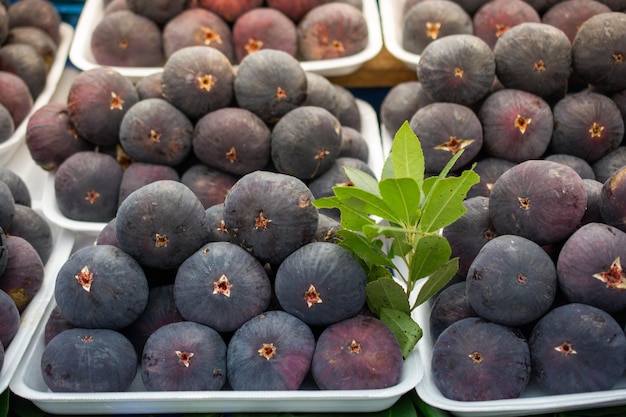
(10, 146)
(369, 129)
(532, 402)
(81, 56)
(391, 13)
(32, 315)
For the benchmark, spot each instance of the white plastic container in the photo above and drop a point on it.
(10, 146)
(391, 12)
(369, 129)
(81, 56)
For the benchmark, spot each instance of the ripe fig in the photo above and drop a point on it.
(149, 86)
(295, 9)
(89, 360)
(400, 104)
(495, 17)
(429, 20)
(540, 200)
(450, 306)
(582, 167)
(612, 199)
(348, 111)
(489, 170)
(159, 11)
(7, 128)
(610, 163)
(17, 185)
(331, 30)
(30, 225)
(197, 80)
(263, 28)
(534, 57)
(37, 38)
(40, 13)
(24, 61)
(230, 10)
(101, 286)
(184, 356)
(467, 366)
(138, 174)
(127, 39)
(24, 274)
(457, 68)
(55, 324)
(577, 348)
(10, 319)
(7, 206)
(271, 351)
(321, 92)
(210, 185)
(353, 144)
(569, 15)
(15, 96)
(360, 352)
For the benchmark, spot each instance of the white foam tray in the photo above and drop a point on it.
(10, 146)
(369, 129)
(33, 314)
(391, 13)
(81, 56)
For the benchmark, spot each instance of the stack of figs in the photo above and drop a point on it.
(535, 95)
(140, 33)
(214, 268)
(29, 37)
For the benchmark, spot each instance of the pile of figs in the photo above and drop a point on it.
(214, 270)
(539, 111)
(26, 244)
(29, 37)
(145, 33)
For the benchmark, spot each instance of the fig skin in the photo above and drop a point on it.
(159, 11)
(7, 206)
(126, 39)
(139, 174)
(598, 51)
(155, 131)
(295, 10)
(233, 140)
(534, 57)
(89, 360)
(38, 39)
(400, 104)
(230, 10)
(24, 274)
(16, 96)
(55, 324)
(489, 170)
(331, 30)
(221, 286)
(457, 68)
(606, 166)
(321, 92)
(97, 101)
(430, 20)
(569, 15)
(39, 13)
(517, 125)
(612, 199)
(29, 224)
(7, 128)
(86, 186)
(468, 366)
(270, 83)
(353, 144)
(540, 200)
(17, 185)
(210, 185)
(450, 306)
(582, 167)
(184, 356)
(149, 86)
(10, 319)
(198, 80)
(198, 26)
(360, 352)
(4, 24)
(264, 28)
(597, 340)
(24, 61)
(272, 351)
(51, 136)
(495, 17)
(348, 111)
(586, 124)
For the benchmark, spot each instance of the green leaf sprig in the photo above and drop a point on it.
(393, 226)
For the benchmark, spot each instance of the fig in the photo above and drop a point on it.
(10, 319)
(612, 198)
(321, 92)
(230, 10)
(37, 38)
(101, 286)
(489, 170)
(127, 39)
(331, 30)
(24, 274)
(457, 68)
(184, 356)
(598, 51)
(321, 283)
(159, 11)
(4, 254)
(400, 104)
(593, 212)
(210, 185)
(577, 348)
(97, 101)
(55, 324)
(271, 214)
(51, 136)
(295, 10)
(444, 129)
(86, 186)
(7, 206)
(569, 15)
(149, 86)
(221, 286)
(581, 166)
(495, 17)
(449, 306)
(4, 23)
(534, 57)
(42, 14)
(467, 366)
(15, 97)
(161, 224)
(270, 83)
(24, 61)
(586, 124)
(138, 174)
(17, 185)
(540, 200)
(360, 352)
(517, 125)
(429, 20)
(155, 131)
(353, 144)
(271, 351)
(218, 232)
(30, 225)
(607, 165)
(264, 28)
(327, 228)
(197, 80)
(305, 142)
(7, 128)
(348, 111)
(195, 27)
(89, 360)
(233, 140)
